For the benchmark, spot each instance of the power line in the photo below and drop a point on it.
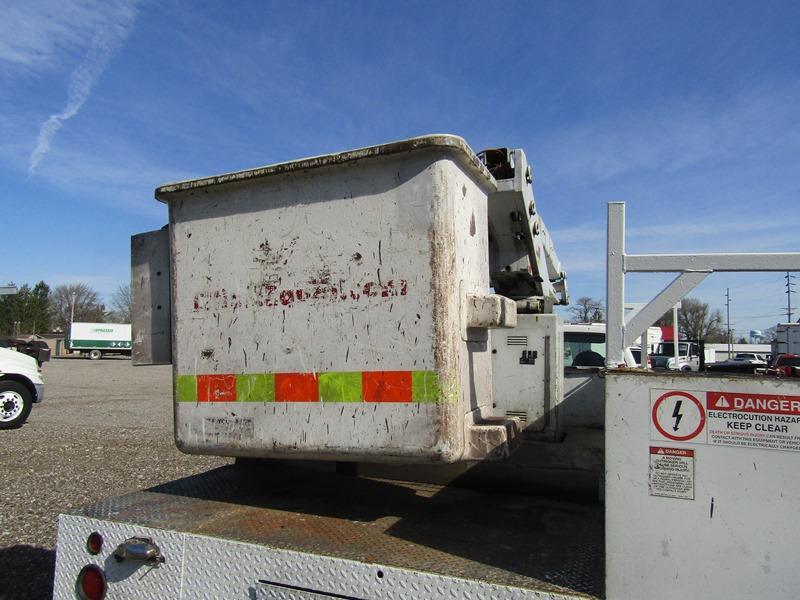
(740, 317)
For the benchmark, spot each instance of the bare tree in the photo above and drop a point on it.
(769, 335)
(121, 304)
(87, 305)
(696, 321)
(665, 320)
(587, 310)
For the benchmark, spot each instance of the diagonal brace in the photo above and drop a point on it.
(666, 299)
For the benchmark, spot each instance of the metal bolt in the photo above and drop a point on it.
(532, 208)
(528, 174)
(535, 229)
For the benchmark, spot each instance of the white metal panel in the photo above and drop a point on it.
(615, 284)
(735, 539)
(660, 263)
(465, 218)
(787, 339)
(106, 332)
(531, 391)
(150, 304)
(198, 568)
(242, 254)
(402, 430)
(222, 569)
(125, 579)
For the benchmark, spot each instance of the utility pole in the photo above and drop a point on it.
(72, 312)
(728, 313)
(676, 336)
(789, 290)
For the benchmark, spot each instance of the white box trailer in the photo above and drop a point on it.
(787, 339)
(97, 339)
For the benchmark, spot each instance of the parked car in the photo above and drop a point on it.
(785, 365)
(752, 357)
(743, 362)
(20, 386)
(636, 352)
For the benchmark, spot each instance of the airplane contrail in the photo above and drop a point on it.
(105, 45)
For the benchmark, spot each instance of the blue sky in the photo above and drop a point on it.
(688, 111)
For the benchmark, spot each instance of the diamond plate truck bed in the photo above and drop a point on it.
(284, 531)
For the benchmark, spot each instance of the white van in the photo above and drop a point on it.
(20, 386)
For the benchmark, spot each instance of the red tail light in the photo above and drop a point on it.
(94, 543)
(91, 584)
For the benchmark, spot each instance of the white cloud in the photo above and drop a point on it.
(104, 25)
(34, 35)
(121, 178)
(674, 137)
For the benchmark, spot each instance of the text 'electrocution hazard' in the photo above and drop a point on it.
(742, 419)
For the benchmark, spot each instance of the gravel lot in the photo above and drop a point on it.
(103, 429)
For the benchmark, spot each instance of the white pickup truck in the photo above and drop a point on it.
(20, 386)
(688, 357)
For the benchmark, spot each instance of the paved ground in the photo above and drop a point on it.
(104, 429)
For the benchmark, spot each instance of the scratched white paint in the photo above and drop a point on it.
(402, 238)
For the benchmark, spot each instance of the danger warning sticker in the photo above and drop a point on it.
(672, 472)
(677, 416)
(753, 420)
(763, 421)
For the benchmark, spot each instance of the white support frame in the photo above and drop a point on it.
(692, 270)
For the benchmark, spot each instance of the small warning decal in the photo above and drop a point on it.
(676, 416)
(748, 420)
(228, 428)
(672, 472)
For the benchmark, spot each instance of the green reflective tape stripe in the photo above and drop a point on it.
(340, 387)
(257, 387)
(333, 386)
(425, 386)
(186, 388)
